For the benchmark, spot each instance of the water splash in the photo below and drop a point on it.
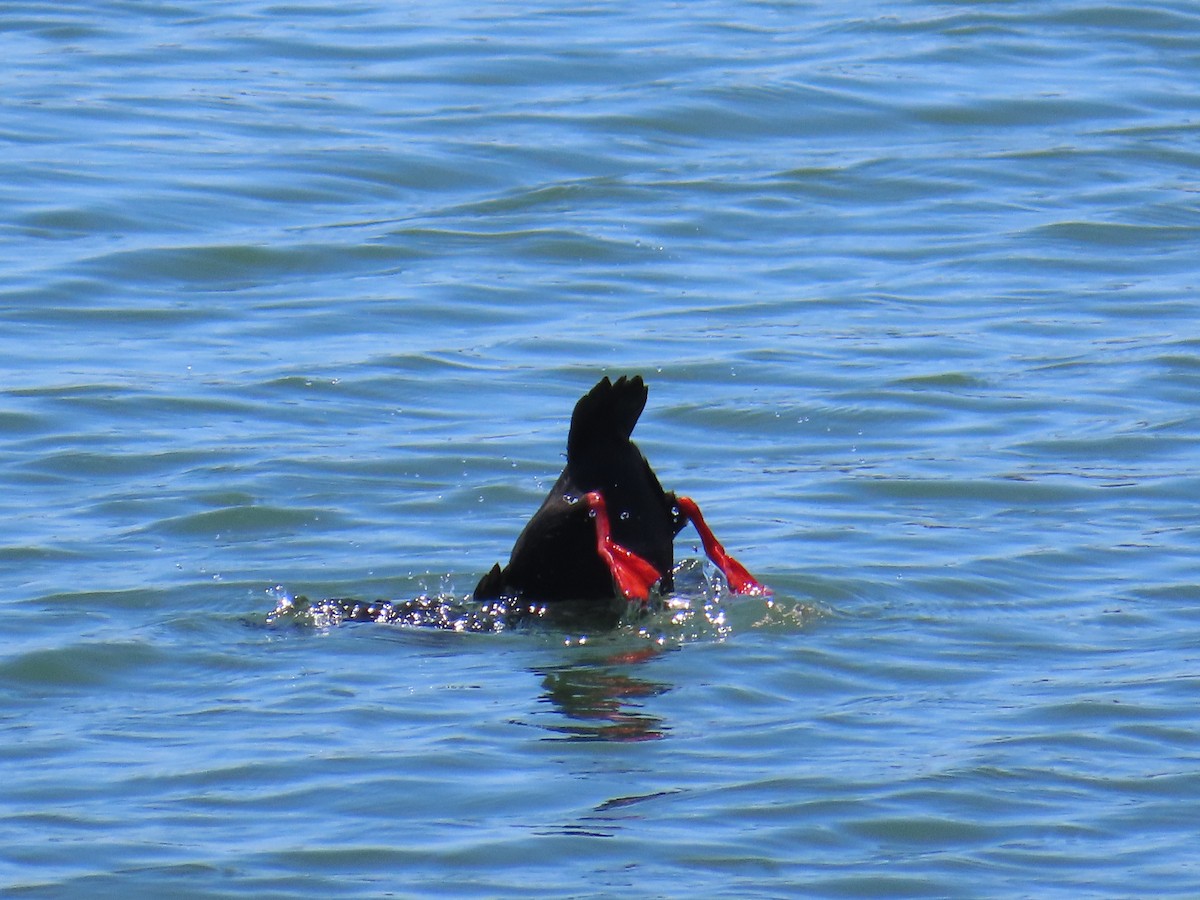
(442, 611)
(699, 609)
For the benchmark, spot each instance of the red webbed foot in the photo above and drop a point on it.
(740, 580)
(632, 574)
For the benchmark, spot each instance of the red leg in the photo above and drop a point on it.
(633, 575)
(740, 581)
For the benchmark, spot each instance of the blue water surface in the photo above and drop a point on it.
(295, 302)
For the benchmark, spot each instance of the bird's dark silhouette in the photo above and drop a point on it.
(606, 529)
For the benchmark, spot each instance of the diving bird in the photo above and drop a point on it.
(606, 530)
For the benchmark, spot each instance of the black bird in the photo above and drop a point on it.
(606, 529)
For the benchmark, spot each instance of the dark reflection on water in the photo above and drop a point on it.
(600, 698)
(596, 695)
(603, 700)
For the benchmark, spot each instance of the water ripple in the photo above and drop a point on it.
(302, 295)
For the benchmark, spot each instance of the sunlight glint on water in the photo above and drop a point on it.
(296, 302)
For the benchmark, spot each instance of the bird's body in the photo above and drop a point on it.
(606, 529)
